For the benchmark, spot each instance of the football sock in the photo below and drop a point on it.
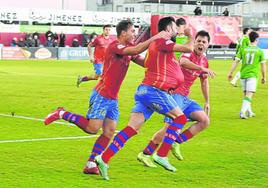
(150, 148)
(76, 119)
(245, 104)
(171, 135)
(119, 141)
(99, 146)
(184, 136)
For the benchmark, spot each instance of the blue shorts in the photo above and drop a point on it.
(187, 105)
(101, 107)
(149, 99)
(98, 68)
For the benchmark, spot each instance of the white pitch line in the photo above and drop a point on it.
(31, 118)
(45, 139)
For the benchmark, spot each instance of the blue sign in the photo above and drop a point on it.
(75, 53)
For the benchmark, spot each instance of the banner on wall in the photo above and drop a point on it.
(73, 17)
(29, 53)
(78, 53)
(222, 29)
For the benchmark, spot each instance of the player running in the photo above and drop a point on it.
(163, 75)
(241, 44)
(251, 57)
(189, 107)
(103, 103)
(100, 43)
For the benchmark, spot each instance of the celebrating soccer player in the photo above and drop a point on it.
(189, 107)
(103, 103)
(100, 43)
(162, 76)
(251, 57)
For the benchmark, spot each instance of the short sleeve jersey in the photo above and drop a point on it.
(180, 40)
(162, 69)
(100, 43)
(191, 75)
(251, 57)
(114, 71)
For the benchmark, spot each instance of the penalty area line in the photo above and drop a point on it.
(46, 139)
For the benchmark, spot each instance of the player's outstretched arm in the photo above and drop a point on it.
(186, 63)
(205, 91)
(263, 72)
(139, 60)
(233, 67)
(139, 48)
(89, 46)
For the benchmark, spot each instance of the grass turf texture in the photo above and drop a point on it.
(231, 153)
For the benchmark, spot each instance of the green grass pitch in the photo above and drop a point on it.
(230, 153)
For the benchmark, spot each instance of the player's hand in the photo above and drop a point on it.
(163, 34)
(92, 60)
(230, 77)
(207, 108)
(263, 80)
(209, 72)
(188, 32)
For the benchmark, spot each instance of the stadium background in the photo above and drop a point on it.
(34, 81)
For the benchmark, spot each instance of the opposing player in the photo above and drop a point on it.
(100, 43)
(251, 57)
(241, 43)
(103, 104)
(181, 38)
(163, 74)
(189, 107)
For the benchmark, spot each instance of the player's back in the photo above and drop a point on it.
(162, 69)
(251, 58)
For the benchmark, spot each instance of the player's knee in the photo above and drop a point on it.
(204, 122)
(91, 129)
(109, 133)
(181, 119)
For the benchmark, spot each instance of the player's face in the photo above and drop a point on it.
(130, 34)
(181, 29)
(200, 45)
(106, 31)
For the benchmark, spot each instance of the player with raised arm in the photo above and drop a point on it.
(103, 103)
(100, 43)
(251, 57)
(163, 75)
(189, 107)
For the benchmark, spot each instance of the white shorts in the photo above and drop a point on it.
(249, 84)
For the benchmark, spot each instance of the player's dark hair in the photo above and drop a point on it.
(253, 36)
(203, 33)
(164, 22)
(180, 21)
(106, 26)
(245, 30)
(123, 25)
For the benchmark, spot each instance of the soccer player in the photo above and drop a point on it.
(100, 43)
(189, 107)
(251, 57)
(103, 103)
(241, 43)
(163, 75)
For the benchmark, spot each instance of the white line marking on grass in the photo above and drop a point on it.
(46, 139)
(32, 118)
